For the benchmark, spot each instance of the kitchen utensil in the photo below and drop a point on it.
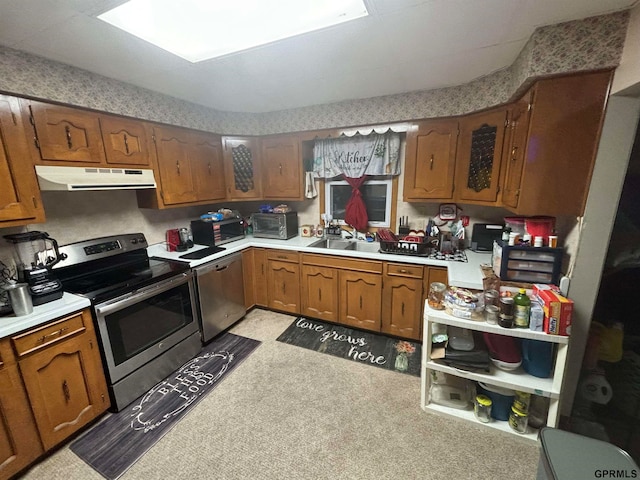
(20, 298)
(36, 254)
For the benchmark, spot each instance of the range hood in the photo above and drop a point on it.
(93, 178)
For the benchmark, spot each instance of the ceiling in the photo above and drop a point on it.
(402, 46)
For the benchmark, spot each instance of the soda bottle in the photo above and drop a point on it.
(523, 307)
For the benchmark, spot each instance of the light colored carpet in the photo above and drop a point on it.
(291, 413)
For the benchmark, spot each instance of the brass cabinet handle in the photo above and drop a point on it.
(514, 150)
(53, 334)
(67, 132)
(319, 295)
(209, 165)
(402, 309)
(126, 144)
(178, 166)
(360, 302)
(280, 169)
(431, 163)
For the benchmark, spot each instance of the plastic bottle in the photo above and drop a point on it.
(522, 309)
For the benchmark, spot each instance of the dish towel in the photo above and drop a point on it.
(310, 186)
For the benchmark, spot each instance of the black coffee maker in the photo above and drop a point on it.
(36, 253)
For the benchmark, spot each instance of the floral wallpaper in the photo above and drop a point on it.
(586, 44)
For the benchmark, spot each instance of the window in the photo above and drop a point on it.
(376, 194)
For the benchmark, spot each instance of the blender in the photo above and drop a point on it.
(36, 253)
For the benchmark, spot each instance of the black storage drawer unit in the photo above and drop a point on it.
(527, 264)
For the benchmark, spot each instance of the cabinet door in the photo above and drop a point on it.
(320, 292)
(281, 168)
(125, 142)
(564, 133)
(66, 386)
(19, 441)
(430, 161)
(260, 277)
(360, 299)
(479, 156)
(515, 148)
(402, 293)
(241, 168)
(66, 134)
(20, 201)
(176, 180)
(283, 284)
(205, 160)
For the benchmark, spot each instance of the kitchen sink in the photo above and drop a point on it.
(342, 244)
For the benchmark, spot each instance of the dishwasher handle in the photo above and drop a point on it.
(219, 265)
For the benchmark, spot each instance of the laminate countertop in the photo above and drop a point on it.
(69, 303)
(461, 274)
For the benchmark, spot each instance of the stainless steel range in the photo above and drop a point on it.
(144, 309)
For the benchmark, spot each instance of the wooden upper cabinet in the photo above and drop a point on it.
(430, 161)
(176, 179)
(281, 168)
(564, 133)
(20, 201)
(515, 149)
(241, 168)
(126, 142)
(207, 167)
(479, 157)
(64, 134)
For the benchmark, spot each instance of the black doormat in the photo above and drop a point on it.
(115, 444)
(356, 345)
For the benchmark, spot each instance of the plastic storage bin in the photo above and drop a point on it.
(527, 264)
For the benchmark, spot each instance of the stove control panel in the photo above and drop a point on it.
(102, 247)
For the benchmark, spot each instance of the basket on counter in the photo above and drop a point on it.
(401, 245)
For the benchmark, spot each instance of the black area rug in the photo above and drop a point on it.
(355, 345)
(114, 445)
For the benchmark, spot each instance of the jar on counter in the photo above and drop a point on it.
(491, 313)
(507, 308)
(435, 299)
(521, 401)
(482, 408)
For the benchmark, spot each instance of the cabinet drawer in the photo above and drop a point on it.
(404, 270)
(283, 255)
(51, 333)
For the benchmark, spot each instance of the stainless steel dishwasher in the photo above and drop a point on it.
(220, 294)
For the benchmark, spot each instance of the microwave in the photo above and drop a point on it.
(216, 233)
(275, 225)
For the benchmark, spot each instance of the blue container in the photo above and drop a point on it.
(537, 357)
(501, 399)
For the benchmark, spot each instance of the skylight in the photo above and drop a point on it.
(198, 30)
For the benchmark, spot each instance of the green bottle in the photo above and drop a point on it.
(523, 306)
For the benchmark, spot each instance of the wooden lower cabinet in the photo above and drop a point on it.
(248, 275)
(19, 441)
(260, 277)
(319, 292)
(62, 372)
(283, 281)
(360, 300)
(402, 295)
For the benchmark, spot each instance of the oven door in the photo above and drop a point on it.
(137, 327)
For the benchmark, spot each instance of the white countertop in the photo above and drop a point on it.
(461, 274)
(44, 313)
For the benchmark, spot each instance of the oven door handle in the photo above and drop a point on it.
(138, 295)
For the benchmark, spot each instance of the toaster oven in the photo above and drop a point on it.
(275, 225)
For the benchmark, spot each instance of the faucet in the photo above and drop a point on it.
(352, 234)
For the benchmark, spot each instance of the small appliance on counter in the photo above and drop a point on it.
(36, 253)
(483, 235)
(281, 226)
(212, 233)
(178, 240)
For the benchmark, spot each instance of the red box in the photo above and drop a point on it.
(558, 312)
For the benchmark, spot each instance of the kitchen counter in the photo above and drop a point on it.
(461, 274)
(41, 314)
